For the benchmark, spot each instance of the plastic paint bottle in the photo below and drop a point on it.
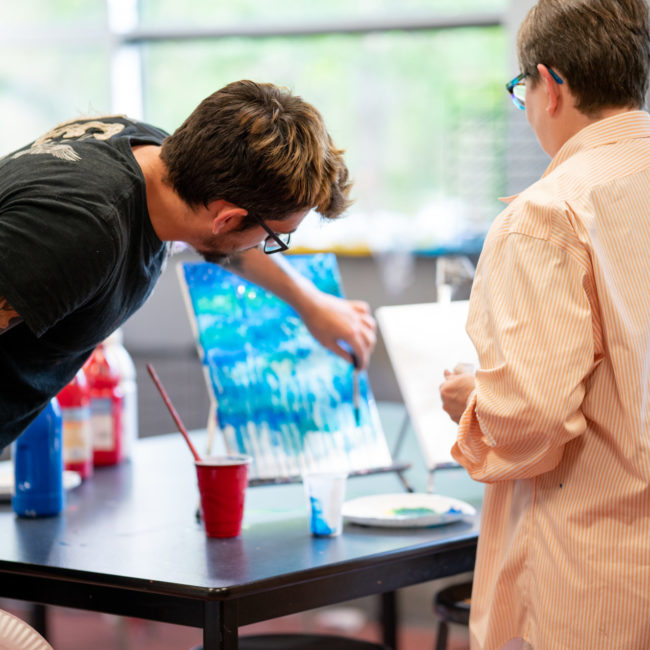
(38, 466)
(106, 407)
(118, 354)
(74, 401)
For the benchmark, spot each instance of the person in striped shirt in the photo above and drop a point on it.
(556, 421)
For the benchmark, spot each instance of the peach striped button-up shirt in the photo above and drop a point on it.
(559, 426)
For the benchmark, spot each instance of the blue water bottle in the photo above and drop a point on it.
(38, 466)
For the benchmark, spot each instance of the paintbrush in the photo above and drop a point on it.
(177, 419)
(172, 411)
(355, 392)
(355, 380)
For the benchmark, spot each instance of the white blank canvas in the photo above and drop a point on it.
(422, 341)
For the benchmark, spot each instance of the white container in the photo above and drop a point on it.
(325, 492)
(115, 349)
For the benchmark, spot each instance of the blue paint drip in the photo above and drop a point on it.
(318, 525)
(269, 372)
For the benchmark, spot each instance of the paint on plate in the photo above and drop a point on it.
(411, 512)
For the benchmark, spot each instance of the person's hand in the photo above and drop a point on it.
(455, 391)
(330, 319)
(343, 326)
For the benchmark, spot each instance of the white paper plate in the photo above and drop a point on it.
(70, 480)
(15, 634)
(407, 510)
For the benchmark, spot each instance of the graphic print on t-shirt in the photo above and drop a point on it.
(51, 142)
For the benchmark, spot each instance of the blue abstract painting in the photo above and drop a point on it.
(278, 394)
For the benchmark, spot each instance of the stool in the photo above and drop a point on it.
(303, 642)
(15, 633)
(452, 606)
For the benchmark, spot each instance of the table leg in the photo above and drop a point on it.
(38, 618)
(220, 630)
(389, 616)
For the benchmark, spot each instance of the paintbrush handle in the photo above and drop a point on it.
(355, 398)
(172, 410)
(355, 380)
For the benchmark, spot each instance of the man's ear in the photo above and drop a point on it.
(224, 216)
(552, 89)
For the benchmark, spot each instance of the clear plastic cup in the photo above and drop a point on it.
(325, 493)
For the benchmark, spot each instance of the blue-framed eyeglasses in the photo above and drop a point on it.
(517, 88)
(275, 241)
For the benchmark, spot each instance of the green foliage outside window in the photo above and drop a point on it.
(53, 65)
(420, 113)
(417, 112)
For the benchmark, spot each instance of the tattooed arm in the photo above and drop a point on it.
(8, 316)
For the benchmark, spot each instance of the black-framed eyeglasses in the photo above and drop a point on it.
(276, 241)
(517, 88)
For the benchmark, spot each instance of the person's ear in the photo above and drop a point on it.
(224, 216)
(552, 90)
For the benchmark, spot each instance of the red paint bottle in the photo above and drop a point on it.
(106, 407)
(74, 401)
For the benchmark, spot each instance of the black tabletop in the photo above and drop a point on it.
(133, 528)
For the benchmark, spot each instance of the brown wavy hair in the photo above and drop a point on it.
(601, 48)
(261, 148)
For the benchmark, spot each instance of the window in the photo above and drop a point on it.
(53, 66)
(412, 89)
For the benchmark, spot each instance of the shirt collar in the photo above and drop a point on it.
(624, 126)
(630, 125)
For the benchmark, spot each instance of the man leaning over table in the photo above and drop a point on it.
(86, 211)
(557, 418)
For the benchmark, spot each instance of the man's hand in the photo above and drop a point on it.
(455, 392)
(330, 318)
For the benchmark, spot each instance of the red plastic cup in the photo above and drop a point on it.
(222, 485)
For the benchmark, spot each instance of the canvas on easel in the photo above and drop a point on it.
(422, 341)
(276, 393)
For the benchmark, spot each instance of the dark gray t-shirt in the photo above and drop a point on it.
(78, 255)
